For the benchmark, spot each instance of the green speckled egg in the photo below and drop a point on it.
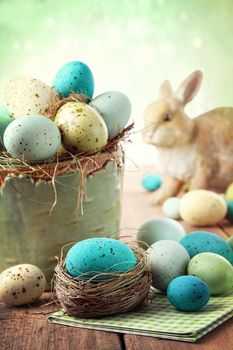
(99, 255)
(82, 128)
(213, 269)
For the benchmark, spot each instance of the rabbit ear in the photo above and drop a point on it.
(189, 87)
(165, 90)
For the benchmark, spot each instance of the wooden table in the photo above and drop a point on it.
(27, 328)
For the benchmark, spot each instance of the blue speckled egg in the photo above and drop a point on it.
(188, 293)
(32, 138)
(229, 215)
(151, 182)
(74, 76)
(202, 241)
(99, 255)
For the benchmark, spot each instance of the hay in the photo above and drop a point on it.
(119, 294)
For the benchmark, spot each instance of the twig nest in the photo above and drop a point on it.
(121, 293)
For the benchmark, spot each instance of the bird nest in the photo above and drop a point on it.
(121, 293)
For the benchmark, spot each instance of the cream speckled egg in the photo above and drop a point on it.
(26, 96)
(82, 128)
(202, 208)
(21, 284)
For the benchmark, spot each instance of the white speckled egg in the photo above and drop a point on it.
(202, 208)
(32, 138)
(171, 208)
(82, 128)
(168, 259)
(26, 96)
(21, 284)
(214, 269)
(158, 229)
(115, 108)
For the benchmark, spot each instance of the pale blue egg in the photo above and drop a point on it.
(115, 109)
(202, 241)
(151, 182)
(188, 293)
(171, 208)
(92, 256)
(5, 120)
(74, 76)
(32, 138)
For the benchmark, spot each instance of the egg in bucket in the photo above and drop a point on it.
(58, 184)
(102, 276)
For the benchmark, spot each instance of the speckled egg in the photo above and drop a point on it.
(214, 269)
(168, 259)
(27, 96)
(21, 284)
(230, 241)
(92, 256)
(202, 208)
(115, 109)
(229, 215)
(188, 293)
(157, 229)
(32, 138)
(202, 241)
(171, 208)
(74, 76)
(5, 120)
(229, 193)
(151, 182)
(82, 128)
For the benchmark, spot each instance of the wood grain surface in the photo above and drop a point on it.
(27, 328)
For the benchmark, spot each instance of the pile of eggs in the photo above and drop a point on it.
(188, 268)
(26, 132)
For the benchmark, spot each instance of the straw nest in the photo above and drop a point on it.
(121, 293)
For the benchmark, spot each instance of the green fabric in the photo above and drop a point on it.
(159, 319)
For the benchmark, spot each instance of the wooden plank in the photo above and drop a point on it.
(27, 328)
(220, 338)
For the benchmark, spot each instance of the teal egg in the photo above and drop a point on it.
(5, 120)
(92, 256)
(188, 293)
(229, 215)
(202, 241)
(74, 76)
(151, 182)
(230, 241)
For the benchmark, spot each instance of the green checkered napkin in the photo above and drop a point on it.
(159, 319)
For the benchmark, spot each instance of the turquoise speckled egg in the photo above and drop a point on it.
(188, 293)
(32, 138)
(92, 256)
(115, 109)
(74, 76)
(151, 182)
(202, 241)
(5, 120)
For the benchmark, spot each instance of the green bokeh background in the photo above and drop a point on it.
(130, 46)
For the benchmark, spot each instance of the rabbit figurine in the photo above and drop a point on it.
(197, 152)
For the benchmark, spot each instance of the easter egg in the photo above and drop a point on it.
(214, 269)
(151, 182)
(167, 259)
(229, 192)
(229, 215)
(21, 284)
(82, 128)
(27, 96)
(32, 138)
(230, 241)
(154, 230)
(5, 120)
(202, 241)
(171, 208)
(188, 293)
(115, 109)
(202, 208)
(74, 76)
(93, 256)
